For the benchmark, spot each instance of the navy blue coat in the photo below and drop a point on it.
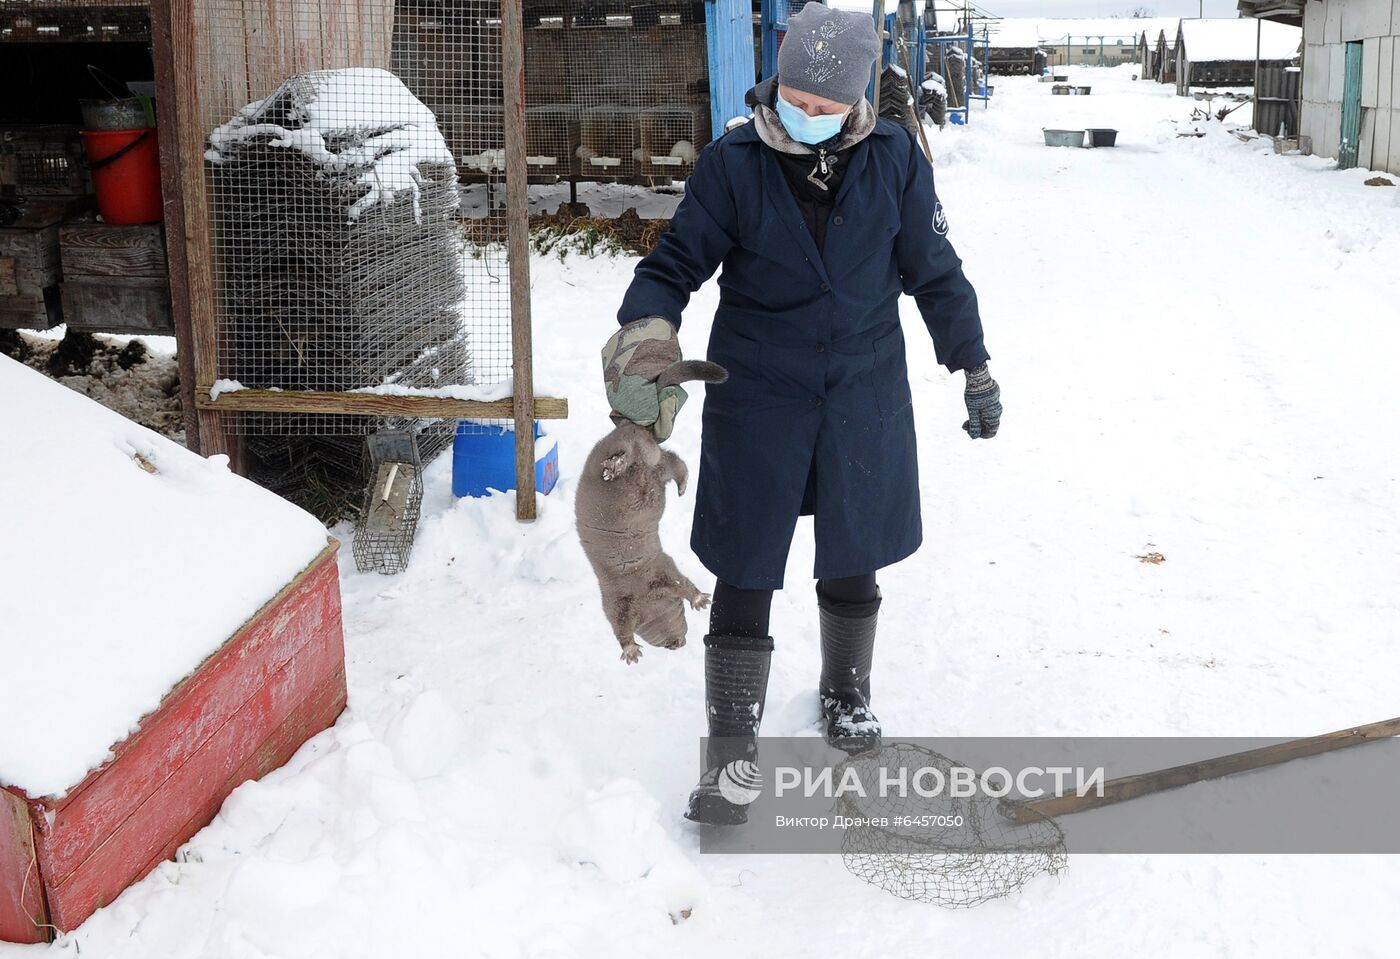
(815, 417)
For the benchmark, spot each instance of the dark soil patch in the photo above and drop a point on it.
(74, 354)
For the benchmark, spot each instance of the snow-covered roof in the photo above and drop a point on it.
(1236, 40)
(1030, 32)
(375, 124)
(128, 561)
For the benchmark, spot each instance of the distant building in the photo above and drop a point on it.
(1351, 85)
(1105, 42)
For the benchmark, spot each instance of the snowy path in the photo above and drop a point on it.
(1195, 343)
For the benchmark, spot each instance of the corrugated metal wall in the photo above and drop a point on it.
(1327, 27)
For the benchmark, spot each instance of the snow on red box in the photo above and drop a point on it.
(244, 712)
(193, 647)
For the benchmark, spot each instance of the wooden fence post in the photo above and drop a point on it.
(518, 251)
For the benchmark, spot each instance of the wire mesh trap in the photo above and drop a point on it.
(973, 856)
(393, 501)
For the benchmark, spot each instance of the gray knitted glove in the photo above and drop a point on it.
(983, 398)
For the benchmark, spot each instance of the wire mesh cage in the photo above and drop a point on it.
(552, 141)
(592, 70)
(610, 142)
(338, 242)
(393, 500)
(669, 136)
(42, 160)
(357, 224)
(70, 21)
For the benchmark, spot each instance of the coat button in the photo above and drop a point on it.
(817, 401)
(826, 287)
(821, 347)
(837, 220)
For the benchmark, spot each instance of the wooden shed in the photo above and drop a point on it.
(1227, 53)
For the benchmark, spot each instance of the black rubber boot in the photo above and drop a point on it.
(848, 648)
(736, 682)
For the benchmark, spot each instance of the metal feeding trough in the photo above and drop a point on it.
(1083, 91)
(1101, 137)
(1063, 138)
(1062, 89)
(384, 534)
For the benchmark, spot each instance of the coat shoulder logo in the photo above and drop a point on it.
(940, 219)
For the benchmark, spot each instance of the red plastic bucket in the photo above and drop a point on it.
(125, 168)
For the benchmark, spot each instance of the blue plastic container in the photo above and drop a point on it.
(956, 118)
(483, 459)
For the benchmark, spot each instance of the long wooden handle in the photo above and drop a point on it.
(1142, 784)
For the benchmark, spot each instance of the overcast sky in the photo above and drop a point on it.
(1101, 8)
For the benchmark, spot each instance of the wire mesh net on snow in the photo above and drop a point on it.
(969, 855)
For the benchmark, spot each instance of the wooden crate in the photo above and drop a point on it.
(276, 683)
(110, 305)
(30, 267)
(115, 278)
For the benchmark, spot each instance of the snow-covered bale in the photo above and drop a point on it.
(338, 241)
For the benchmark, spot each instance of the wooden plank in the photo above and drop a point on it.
(173, 198)
(378, 33)
(193, 794)
(1131, 787)
(96, 249)
(23, 912)
(9, 276)
(31, 311)
(270, 44)
(317, 712)
(137, 305)
(306, 611)
(308, 22)
(342, 34)
(199, 73)
(518, 253)
(374, 404)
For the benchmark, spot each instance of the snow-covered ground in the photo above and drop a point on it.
(1195, 340)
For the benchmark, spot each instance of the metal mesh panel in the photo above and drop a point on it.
(69, 21)
(606, 83)
(358, 218)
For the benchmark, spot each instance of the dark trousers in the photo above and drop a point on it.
(745, 612)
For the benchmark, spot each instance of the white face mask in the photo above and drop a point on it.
(808, 129)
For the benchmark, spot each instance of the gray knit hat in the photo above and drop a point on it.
(828, 52)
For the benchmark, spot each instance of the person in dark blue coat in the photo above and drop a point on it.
(819, 216)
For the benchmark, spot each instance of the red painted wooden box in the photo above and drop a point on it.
(277, 682)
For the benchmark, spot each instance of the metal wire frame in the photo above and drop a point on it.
(497, 265)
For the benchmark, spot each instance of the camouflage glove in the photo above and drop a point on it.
(633, 358)
(983, 398)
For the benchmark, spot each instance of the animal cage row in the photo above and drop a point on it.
(612, 93)
(566, 141)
